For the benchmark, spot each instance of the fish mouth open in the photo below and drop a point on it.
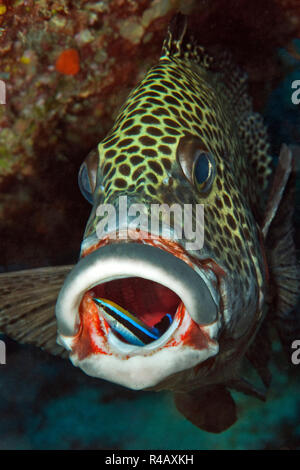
(163, 293)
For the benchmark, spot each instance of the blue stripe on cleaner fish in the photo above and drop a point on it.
(127, 325)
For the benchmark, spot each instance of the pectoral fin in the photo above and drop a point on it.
(211, 408)
(27, 301)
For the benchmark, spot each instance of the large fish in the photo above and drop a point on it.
(146, 308)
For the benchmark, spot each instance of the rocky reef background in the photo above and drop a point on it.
(68, 66)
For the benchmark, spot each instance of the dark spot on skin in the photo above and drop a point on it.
(164, 149)
(146, 93)
(261, 170)
(187, 106)
(172, 131)
(170, 122)
(110, 154)
(136, 112)
(154, 131)
(166, 163)
(247, 234)
(219, 184)
(219, 228)
(169, 140)
(183, 122)
(227, 231)
(238, 242)
(246, 269)
(216, 251)
(207, 235)
(159, 88)
(197, 129)
(209, 119)
(120, 158)
(217, 213)
(176, 75)
(132, 149)
(125, 169)
(155, 76)
(219, 203)
(133, 130)
(177, 95)
(110, 142)
(227, 187)
(107, 167)
(150, 120)
(120, 183)
(161, 112)
(242, 218)
(171, 100)
(152, 177)
(229, 258)
(231, 221)
(227, 200)
(138, 172)
(151, 189)
(167, 84)
(124, 143)
(186, 96)
(132, 106)
(174, 111)
(149, 152)
(136, 159)
(238, 262)
(177, 82)
(229, 244)
(154, 101)
(127, 123)
(111, 173)
(186, 116)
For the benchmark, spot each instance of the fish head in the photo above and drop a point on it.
(171, 232)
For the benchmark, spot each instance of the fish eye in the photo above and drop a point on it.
(203, 171)
(196, 162)
(87, 175)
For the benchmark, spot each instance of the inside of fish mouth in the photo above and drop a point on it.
(148, 300)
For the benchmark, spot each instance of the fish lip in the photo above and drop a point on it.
(76, 284)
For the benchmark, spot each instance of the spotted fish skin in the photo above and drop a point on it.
(189, 93)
